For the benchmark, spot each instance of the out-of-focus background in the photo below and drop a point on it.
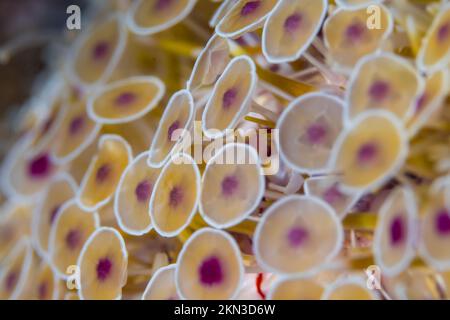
(27, 27)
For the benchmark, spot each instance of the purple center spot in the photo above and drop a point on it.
(103, 269)
(210, 271)
(316, 133)
(367, 153)
(229, 97)
(100, 51)
(442, 223)
(175, 196)
(355, 31)
(292, 23)
(420, 103)
(174, 126)
(125, 99)
(397, 229)
(250, 7)
(73, 239)
(103, 173)
(39, 166)
(332, 194)
(143, 191)
(42, 290)
(76, 124)
(443, 32)
(379, 90)
(297, 236)
(162, 4)
(229, 185)
(53, 214)
(10, 281)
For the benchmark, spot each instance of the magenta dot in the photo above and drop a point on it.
(292, 23)
(143, 191)
(100, 51)
(332, 194)
(250, 7)
(442, 223)
(125, 99)
(355, 31)
(163, 4)
(229, 185)
(297, 236)
(76, 125)
(420, 103)
(42, 290)
(397, 230)
(73, 239)
(103, 173)
(39, 166)
(175, 196)
(103, 269)
(210, 271)
(379, 90)
(172, 128)
(53, 214)
(367, 153)
(229, 97)
(10, 281)
(316, 133)
(443, 32)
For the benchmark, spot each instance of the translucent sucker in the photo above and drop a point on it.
(162, 285)
(370, 151)
(103, 266)
(384, 81)
(15, 222)
(24, 174)
(297, 235)
(75, 133)
(146, 17)
(60, 190)
(174, 202)
(232, 186)
(45, 283)
(348, 38)
(70, 230)
(430, 100)
(352, 287)
(231, 97)
(174, 125)
(209, 266)
(16, 271)
(105, 169)
(97, 53)
(125, 100)
(434, 54)
(133, 193)
(309, 127)
(395, 234)
(435, 231)
(329, 189)
(244, 16)
(291, 28)
(289, 288)
(210, 63)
